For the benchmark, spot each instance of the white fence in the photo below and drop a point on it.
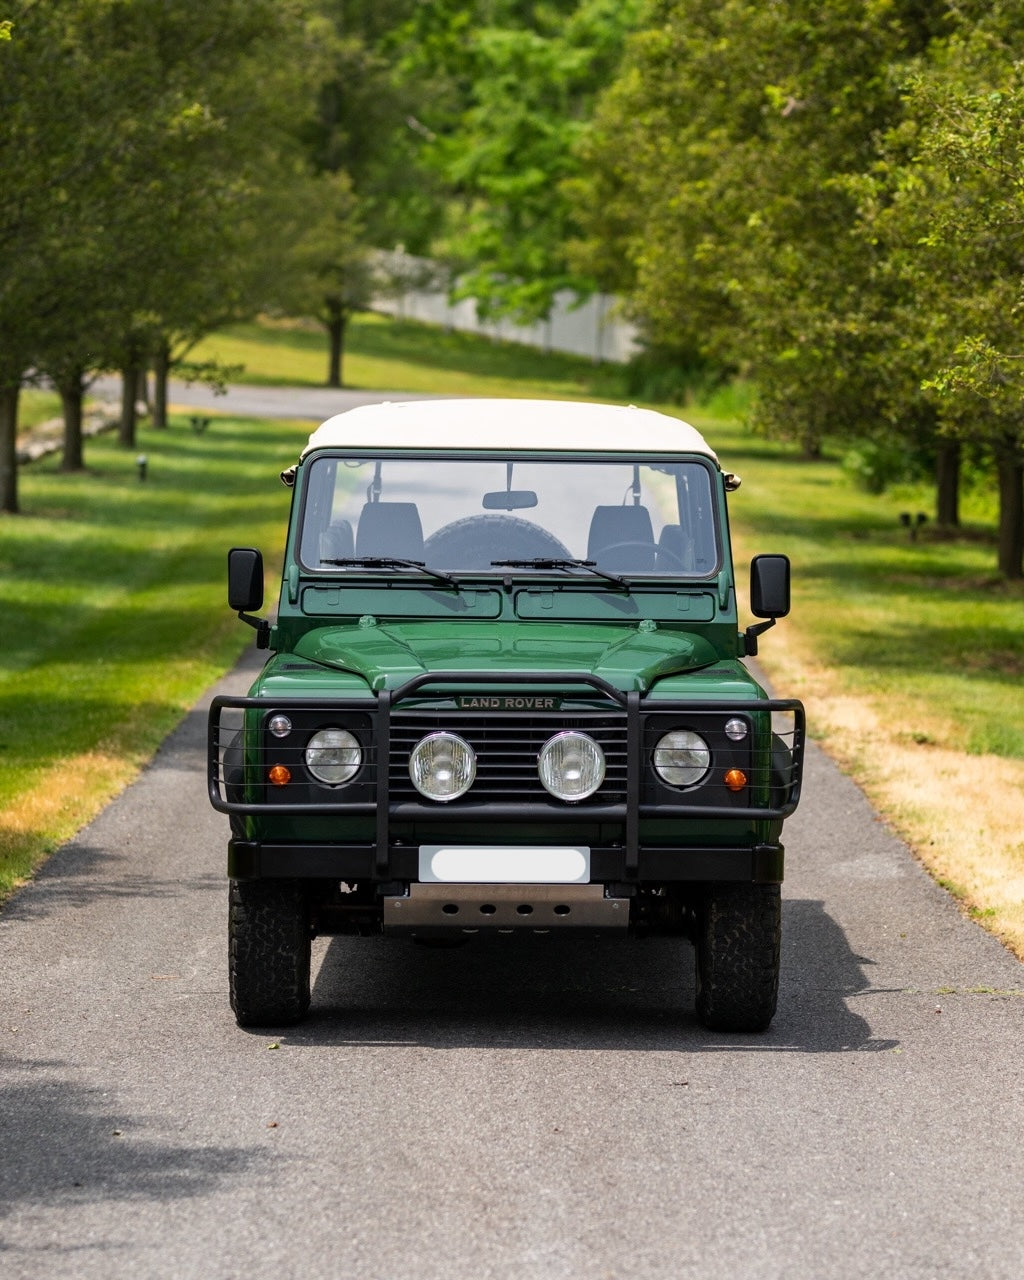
(591, 328)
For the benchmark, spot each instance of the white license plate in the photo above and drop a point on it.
(503, 864)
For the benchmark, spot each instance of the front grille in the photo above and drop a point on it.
(507, 747)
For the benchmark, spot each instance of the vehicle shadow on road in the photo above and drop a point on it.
(559, 992)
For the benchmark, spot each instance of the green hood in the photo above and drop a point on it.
(385, 656)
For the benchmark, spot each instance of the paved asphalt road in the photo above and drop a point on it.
(315, 403)
(538, 1109)
(519, 1109)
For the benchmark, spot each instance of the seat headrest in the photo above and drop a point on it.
(390, 529)
(622, 538)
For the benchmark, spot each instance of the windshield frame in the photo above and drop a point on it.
(562, 576)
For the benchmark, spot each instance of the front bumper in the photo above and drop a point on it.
(757, 864)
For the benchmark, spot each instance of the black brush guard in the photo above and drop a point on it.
(382, 860)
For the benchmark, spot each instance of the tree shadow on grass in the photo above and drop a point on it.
(526, 992)
(882, 527)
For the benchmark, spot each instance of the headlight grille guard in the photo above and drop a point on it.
(631, 705)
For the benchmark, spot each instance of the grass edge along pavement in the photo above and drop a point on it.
(908, 655)
(113, 615)
(962, 815)
(899, 736)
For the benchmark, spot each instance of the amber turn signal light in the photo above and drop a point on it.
(735, 779)
(280, 775)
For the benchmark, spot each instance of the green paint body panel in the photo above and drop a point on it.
(387, 654)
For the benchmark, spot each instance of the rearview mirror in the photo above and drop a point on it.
(510, 500)
(245, 579)
(769, 586)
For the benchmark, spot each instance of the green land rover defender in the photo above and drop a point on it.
(505, 694)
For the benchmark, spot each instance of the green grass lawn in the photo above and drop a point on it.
(35, 406)
(925, 625)
(382, 354)
(112, 612)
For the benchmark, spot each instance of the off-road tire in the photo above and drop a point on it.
(268, 952)
(739, 931)
(474, 541)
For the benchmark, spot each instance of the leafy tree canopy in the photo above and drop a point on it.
(507, 92)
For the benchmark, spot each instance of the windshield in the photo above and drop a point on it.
(463, 514)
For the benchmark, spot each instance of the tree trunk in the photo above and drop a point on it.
(947, 484)
(9, 447)
(71, 398)
(810, 446)
(161, 370)
(1011, 514)
(129, 418)
(335, 323)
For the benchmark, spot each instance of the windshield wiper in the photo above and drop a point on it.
(392, 562)
(542, 563)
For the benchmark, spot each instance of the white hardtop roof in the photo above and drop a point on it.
(551, 426)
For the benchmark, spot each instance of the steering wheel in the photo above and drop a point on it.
(649, 547)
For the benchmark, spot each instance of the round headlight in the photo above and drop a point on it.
(571, 766)
(442, 766)
(682, 758)
(333, 756)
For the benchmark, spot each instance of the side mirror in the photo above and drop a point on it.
(769, 596)
(245, 579)
(769, 586)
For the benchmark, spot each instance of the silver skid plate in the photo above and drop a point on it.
(472, 908)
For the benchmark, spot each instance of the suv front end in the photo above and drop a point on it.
(475, 722)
